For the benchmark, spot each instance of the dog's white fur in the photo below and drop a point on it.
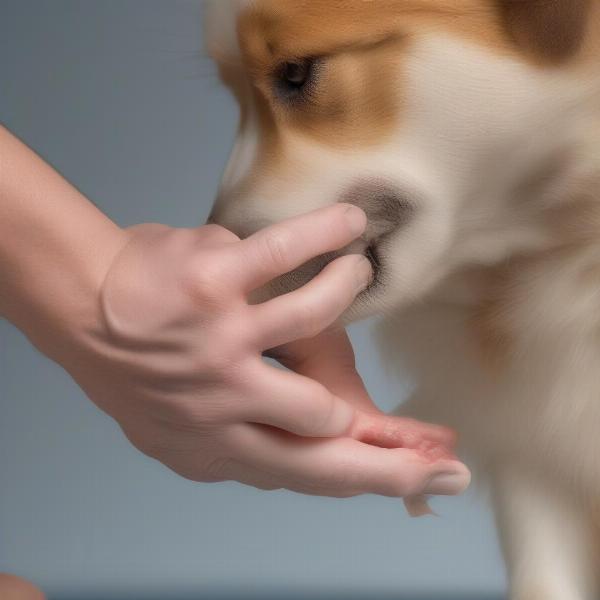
(474, 126)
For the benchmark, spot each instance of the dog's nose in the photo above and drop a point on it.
(385, 204)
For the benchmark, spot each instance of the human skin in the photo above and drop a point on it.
(155, 325)
(15, 588)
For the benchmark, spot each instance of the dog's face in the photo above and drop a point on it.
(437, 117)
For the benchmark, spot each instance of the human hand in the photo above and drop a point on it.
(15, 588)
(154, 324)
(176, 359)
(422, 461)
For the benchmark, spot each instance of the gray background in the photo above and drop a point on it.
(119, 97)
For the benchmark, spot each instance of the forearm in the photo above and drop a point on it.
(55, 246)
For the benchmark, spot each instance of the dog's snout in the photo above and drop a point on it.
(386, 206)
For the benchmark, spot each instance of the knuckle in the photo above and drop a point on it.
(308, 320)
(213, 369)
(195, 466)
(224, 361)
(184, 419)
(201, 418)
(276, 248)
(204, 280)
(317, 421)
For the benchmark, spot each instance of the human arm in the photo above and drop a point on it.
(153, 323)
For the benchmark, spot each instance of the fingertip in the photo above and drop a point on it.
(448, 435)
(451, 480)
(358, 266)
(356, 218)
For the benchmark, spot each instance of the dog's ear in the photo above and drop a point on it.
(551, 30)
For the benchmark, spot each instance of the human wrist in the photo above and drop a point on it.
(59, 308)
(55, 248)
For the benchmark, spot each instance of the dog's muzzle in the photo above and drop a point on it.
(388, 210)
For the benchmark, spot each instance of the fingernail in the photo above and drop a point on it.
(357, 220)
(364, 273)
(448, 484)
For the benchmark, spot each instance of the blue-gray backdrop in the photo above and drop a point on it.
(119, 96)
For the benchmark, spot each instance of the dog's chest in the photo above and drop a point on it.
(541, 409)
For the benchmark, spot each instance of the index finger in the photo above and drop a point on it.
(284, 246)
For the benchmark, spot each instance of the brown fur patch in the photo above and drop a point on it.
(553, 31)
(358, 97)
(354, 100)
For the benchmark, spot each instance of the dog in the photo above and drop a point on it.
(469, 132)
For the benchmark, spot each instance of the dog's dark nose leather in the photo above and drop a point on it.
(387, 207)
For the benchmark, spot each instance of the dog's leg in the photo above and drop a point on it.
(547, 540)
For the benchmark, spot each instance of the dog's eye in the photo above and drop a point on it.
(296, 74)
(294, 78)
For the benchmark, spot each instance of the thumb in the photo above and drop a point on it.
(329, 359)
